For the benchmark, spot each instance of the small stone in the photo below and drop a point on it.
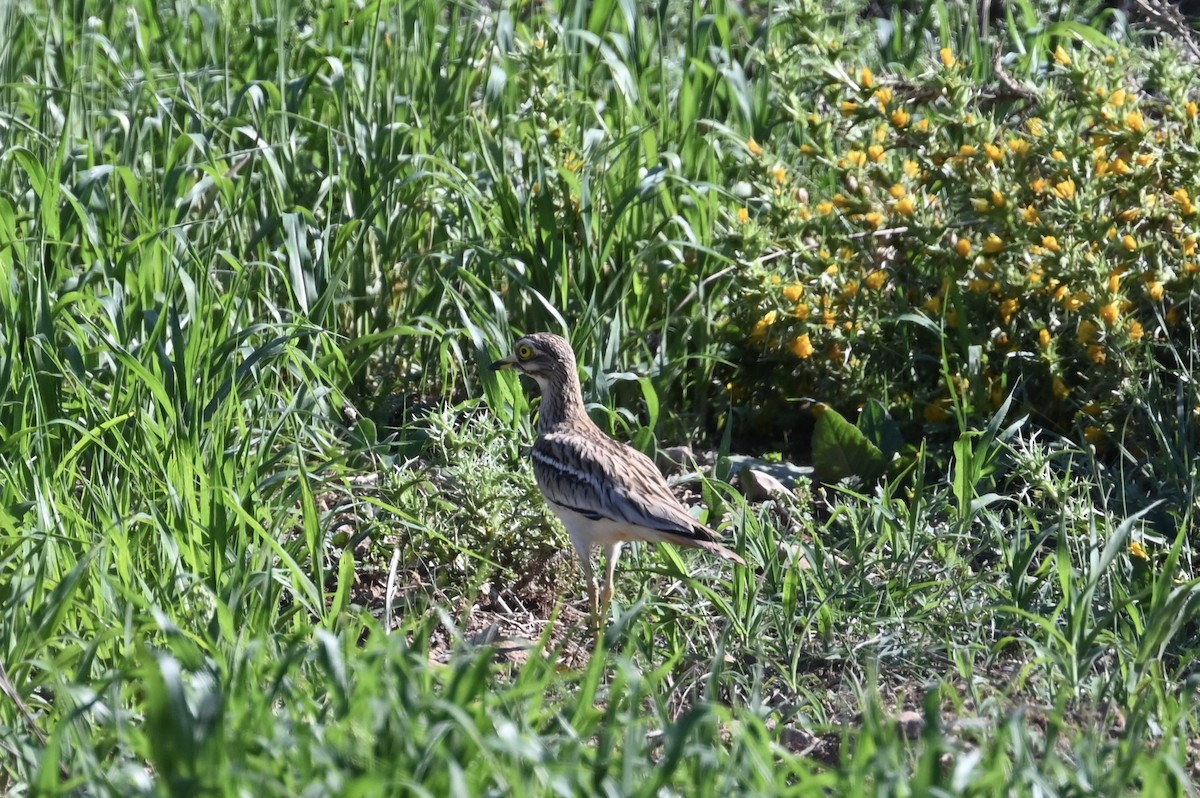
(760, 486)
(675, 459)
(911, 723)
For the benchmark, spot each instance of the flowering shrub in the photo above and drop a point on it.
(925, 238)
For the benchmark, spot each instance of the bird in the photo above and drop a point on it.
(605, 492)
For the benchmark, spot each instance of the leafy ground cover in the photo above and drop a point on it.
(266, 524)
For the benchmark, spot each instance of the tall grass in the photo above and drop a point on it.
(251, 257)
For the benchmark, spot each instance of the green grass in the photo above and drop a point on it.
(264, 516)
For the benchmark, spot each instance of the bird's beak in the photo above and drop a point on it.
(503, 363)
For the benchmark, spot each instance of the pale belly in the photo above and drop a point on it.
(603, 531)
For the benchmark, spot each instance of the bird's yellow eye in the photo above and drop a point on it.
(524, 351)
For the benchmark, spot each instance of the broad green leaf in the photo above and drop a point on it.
(841, 450)
(879, 428)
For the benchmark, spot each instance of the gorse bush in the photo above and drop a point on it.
(1046, 233)
(263, 515)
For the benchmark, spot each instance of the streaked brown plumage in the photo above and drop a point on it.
(604, 491)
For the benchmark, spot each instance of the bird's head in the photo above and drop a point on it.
(545, 357)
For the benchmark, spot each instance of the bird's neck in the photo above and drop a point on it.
(562, 403)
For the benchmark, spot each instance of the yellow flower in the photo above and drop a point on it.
(1135, 122)
(1155, 289)
(754, 147)
(759, 331)
(1061, 57)
(897, 191)
(1135, 331)
(994, 153)
(1008, 309)
(874, 218)
(807, 149)
(1117, 98)
(1061, 391)
(935, 413)
(1058, 155)
(1044, 338)
(1018, 146)
(875, 152)
(1051, 243)
(912, 169)
(998, 199)
(1030, 215)
(1110, 313)
(993, 244)
(794, 291)
(857, 158)
(883, 96)
(947, 55)
(1035, 126)
(1143, 160)
(1038, 185)
(867, 79)
(922, 125)
(1136, 549)
(906, 206)
(780, 175)
(825, 207)
(848, 108)
(1075, 301)
(1065, 189)
(1097, 354)
(1192, 109)
(802, 347)
(963, 247)
(1093, 434)
(1087, 333)
(980, 205)
(743, 215)
(1129, 214)
(1129, 242)
(876, 279)
(1120, 167)
(967, 150)
(900, 117)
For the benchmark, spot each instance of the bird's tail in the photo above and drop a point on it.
(718, 549)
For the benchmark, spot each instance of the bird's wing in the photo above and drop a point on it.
(602, 478)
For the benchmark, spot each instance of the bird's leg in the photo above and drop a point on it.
(584, 550)
(612, 554)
